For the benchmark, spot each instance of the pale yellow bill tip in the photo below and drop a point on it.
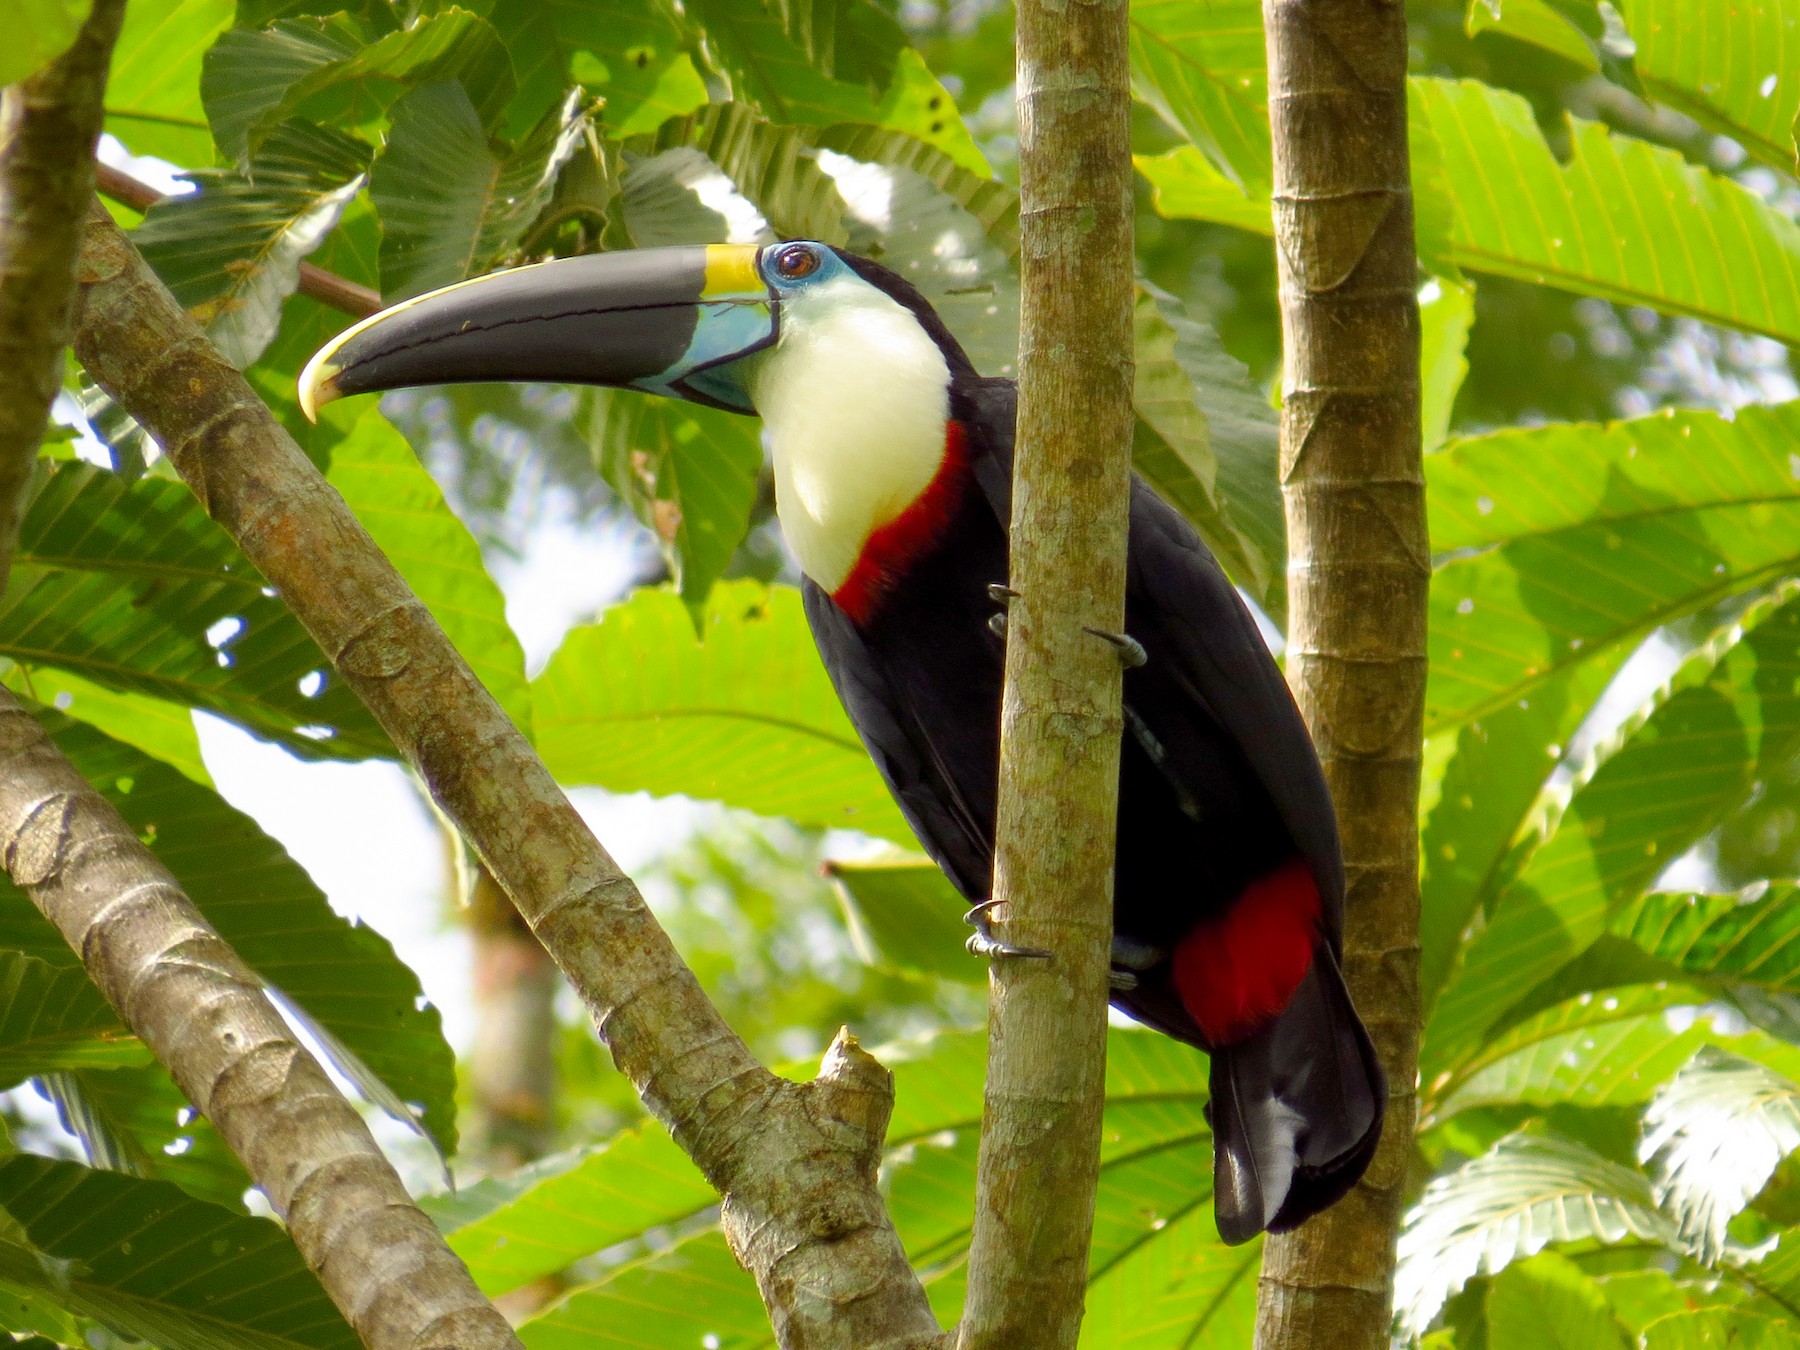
(318, 383)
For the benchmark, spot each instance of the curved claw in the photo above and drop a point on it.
(982, 941)
(1131, 652)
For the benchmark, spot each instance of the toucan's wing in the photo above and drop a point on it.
(1185, 610)
(901, 745)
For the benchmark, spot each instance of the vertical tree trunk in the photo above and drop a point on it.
(512, 1066)
(1359, 566)
(1060, 729)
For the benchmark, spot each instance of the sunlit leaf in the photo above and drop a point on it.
(1538, 22)
(1715, 1328)
(1202, 67)
(1446, 313)
(906, 914)
(1528, 1191)
(153, 91)
(160, 729)
(748, 717)
(1713, 1137)
(41, 31)
(231, 253)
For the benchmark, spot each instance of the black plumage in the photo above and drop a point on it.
(1219, 786)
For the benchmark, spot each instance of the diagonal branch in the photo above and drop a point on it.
(49, 123)
(1060, 720)
(204, 1014)
(795, 1162)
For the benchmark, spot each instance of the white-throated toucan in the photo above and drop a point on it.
(893, 474)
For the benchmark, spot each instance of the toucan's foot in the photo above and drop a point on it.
(1131, 651)
(1122, 981)
(1001, 594)
(997, 624)
(982, 941)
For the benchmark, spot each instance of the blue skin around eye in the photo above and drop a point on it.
(728, 329)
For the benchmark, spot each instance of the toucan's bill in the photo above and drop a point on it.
(664, 320)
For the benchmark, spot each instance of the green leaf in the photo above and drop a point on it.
(145, 1116)
(1550, 1303)
(1621, 219)
(342, 974)
(1568, 542)
(850, 40)
(1535, 21)
(53, 1019)
(326, 71)
(1527, 1191)
(231, 253)
(1670, 779)
(41, 31)
(690, 475)
(1720, 1329)
(153, 91)
(905, 914)
(450, 203)
(1728, 66)
(381, 479)
(113, 1247)
(747, 717)
(541, 1219)
(1446, 313)
(1726, 937)
(693, 1294)
(1713, 1137)
(161, 730)
(1202, 68)
(133, 587)
(1207, 441)
(630, 53)
(771, 165)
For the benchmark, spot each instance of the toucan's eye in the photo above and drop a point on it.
(796, 261)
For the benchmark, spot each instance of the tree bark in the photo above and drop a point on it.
(795, 1163)
(1060, 721)
(49, 124)
(204, 1015)
(512, 1065)
(1359, 567)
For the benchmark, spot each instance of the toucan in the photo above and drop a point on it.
(892, 465)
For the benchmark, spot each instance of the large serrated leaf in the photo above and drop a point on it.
(231, 253)
(110, 1247)
(131, 586)
(1527, 1191)
(748, 717)
(345, 975)
(450, 203)
(1647, 794)
(327, 70)
(1713, 1136)
(1550, 1303)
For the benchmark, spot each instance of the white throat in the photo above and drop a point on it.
(854, 398)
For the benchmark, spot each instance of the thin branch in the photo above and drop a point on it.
(1060, 720)
(49, 123)
(795, 1162)
(1358, 574)
(328, 288)
(204, 1014)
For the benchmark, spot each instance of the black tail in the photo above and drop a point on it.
(1296, 1110)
